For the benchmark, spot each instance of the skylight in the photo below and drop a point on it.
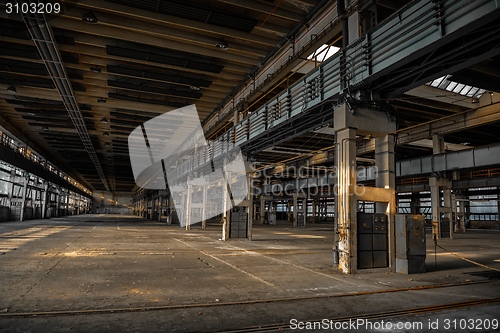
(323, 52)
(458, 88)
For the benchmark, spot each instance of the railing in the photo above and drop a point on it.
(34, 157)
(375, 54)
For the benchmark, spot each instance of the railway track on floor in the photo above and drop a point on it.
(370, 317)
(32, 314)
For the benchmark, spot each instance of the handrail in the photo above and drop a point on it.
(417, 26)
(34, 157)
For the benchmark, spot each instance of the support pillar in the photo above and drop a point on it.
(225, 205)
(313, 210)
(498, 207)
(45, 199)
(251, 207)
(448, 212)
(348, 123)
(346, 203)
(304, 209)
(204, 209)
(438, 144)
(386, 179)
(435, 185)
(295, 213)
(461, 204)
(262, 209)
(435, 205)
(66, 203)
(187, 204)
(289, 212)
(160, 206)
(58, 202)
(386, 171)
(414, 203)
(23, 202)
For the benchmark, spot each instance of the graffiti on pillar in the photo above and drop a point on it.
(163, 152)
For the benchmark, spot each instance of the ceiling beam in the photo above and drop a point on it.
(451, 124)
(175, 35)
(269, 9)
(171, 21)
(125, 35)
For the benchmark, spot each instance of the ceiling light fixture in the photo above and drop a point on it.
(89, 17)
(475, 100)
(104, 121)
(101, 100)
(95, 69)
(105, 134)
(106, 144)
(45, 128)
(222, 45)
(196, 88)
(12, 89)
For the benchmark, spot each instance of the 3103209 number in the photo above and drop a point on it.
(32, 8)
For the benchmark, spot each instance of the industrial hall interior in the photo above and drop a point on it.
(248, 166)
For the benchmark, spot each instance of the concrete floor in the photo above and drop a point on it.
(102, 273)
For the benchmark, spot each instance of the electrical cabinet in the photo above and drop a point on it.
(238, 225)
(271, 218)
(444, 228)
(300, 220)
(410, 244)
(372, 241)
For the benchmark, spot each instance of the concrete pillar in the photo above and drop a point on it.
(304, 209)
(448, 208)
(160, 206)
(467, 209)
(204, 209)
(437, 148)
(437, 144)
(251, 207)
(23, 202)
(414, 203)
(66, 203)
(323, 210)
(187, 204)
(386, 167)
(435, 205)
(226, 200)
(346, 203)
(498, 207)
(461, 204)
(386, 179)
(58, 202)
(354, 22)
(313, 210)
(347, 124)
(45, 199)
(289, 212)
(262, 210)
(295, 203)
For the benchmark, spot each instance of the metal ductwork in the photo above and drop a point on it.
(45, 42)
